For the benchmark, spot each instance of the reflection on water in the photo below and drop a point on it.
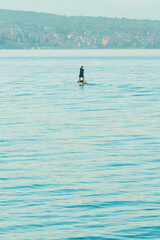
(79, 162)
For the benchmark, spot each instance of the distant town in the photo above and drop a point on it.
(31, 30)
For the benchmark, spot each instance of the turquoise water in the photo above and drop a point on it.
(80, 162)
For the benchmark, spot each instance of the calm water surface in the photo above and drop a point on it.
(80, 162)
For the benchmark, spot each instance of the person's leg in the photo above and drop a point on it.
(80, 79)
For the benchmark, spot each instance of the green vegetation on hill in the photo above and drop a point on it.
(20, 29)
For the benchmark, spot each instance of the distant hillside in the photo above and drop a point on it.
(20, 29)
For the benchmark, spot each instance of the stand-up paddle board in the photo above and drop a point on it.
(81, 83)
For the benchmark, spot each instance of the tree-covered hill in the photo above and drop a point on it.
(21, 29)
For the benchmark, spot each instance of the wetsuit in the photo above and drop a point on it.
(81, 74)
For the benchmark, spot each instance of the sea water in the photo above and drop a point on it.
(79, 162)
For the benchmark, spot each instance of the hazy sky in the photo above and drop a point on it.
(108, 8)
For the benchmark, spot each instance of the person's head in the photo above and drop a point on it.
(81, 66)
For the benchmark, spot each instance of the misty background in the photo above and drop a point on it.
(135, 9)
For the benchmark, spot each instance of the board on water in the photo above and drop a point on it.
(81, 83)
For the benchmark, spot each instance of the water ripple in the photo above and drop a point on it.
(79, 162)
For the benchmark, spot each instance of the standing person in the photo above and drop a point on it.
(81, 74)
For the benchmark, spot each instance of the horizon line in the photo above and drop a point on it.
(33, 11)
